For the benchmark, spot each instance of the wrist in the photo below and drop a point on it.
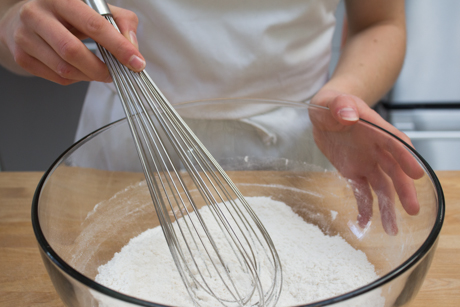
(348, 86)
(326, 95)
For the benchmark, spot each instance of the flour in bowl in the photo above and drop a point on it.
(315, 266)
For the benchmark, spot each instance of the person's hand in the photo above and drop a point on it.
(366, 157)
(44, 38)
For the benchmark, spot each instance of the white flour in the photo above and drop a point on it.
(315, 266)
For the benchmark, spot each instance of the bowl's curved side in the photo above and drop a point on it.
(75, 287)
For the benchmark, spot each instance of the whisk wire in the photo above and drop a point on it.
(142, 131)
(204, 261)
(197, 179)
(200, 182)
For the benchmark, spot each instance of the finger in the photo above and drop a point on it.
(323, 119)
(405, 158)
(127, 23)
(64, 44)
(344, 109)
(99, 29)
(39, 69)
(40, 50)
(364, 200)
(385, 195)
(71, 50)
(403, 185)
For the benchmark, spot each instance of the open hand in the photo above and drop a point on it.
(367, 157)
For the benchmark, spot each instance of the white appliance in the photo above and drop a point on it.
(425, 101)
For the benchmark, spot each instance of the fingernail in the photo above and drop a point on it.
(133, 39)
(348, 114)
(362, 221)
(136, 63)
(391, 230)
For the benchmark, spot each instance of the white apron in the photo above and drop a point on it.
(202, 49)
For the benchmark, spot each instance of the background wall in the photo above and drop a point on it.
(38, 120)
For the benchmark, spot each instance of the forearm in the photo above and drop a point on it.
(6, 58)
(371, 58)
(370, 63)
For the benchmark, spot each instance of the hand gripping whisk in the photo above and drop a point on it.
(223, 255)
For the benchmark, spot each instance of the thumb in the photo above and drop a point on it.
(132, 37)
(344, 109)
(127, 22)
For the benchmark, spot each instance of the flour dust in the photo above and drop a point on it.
(315, 266)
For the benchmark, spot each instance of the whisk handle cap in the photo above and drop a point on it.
(99, 6)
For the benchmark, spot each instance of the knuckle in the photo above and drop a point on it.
(65, 70)
(68, 49)
(21, 58)
(124, 15)
(95, 24)
(132, 16)
(19, 36)
(27, 11)
(125, 49)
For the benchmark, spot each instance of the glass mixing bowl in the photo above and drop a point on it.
(268, 149)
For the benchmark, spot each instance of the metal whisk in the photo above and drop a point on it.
(223, 253)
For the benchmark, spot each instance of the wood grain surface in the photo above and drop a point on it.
(24, 280)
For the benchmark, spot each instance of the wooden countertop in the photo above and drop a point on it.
(24, 280)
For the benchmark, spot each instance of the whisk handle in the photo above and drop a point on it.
(99, 6)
